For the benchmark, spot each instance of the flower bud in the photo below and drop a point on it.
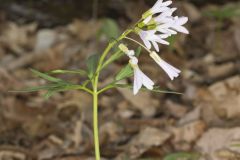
(123, 48)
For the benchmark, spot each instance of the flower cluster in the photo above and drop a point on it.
(159, 24)
(156, 25)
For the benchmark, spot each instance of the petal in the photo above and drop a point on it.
(143, 36)
(166, 14)
(171, 71)
(182, 21)
(181, 29)
(159, 9)
(167, 32)
(167, 3)
(171, 31)
(155, 46)
(146, 20)
(165, 25)
(130, 53)
(137, 80)
(133, 61)
(163, 30)
(147, 82)
(162, 41)
(158, 4)
(162, 36)
(147, 43)
(157, 38)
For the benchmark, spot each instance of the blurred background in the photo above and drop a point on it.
(201, 124)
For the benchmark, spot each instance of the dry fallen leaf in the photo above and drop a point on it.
(146, 139)
(217, 139)
(226, 98)
(142, 101)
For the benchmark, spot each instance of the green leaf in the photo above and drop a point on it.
(126, 72)
(110, 28)
(78, 71)
(92, 63)
(182, 156)
(61, 88)
(56, 87)
(158, 90)
(38, 88)
(113, 58)
(46, 76)
(155, 89)
(138, 51)
(172, 39)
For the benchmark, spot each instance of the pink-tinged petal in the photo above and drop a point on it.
(155, 45)
(143, 35)
(145, 41)
(162, 41)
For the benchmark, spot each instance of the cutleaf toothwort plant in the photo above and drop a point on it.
(154, 27)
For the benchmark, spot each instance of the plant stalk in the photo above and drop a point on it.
(95, 125)
(95, 93)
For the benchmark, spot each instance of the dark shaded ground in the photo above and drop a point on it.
(49, 14)
(203, 121)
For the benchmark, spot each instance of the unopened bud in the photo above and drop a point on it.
(123, 48)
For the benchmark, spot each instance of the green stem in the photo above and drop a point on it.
(109, 47)
(105, 88)
(95, 125)
(133, 40)
(95, 92)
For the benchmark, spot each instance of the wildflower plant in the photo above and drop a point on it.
(154, 27)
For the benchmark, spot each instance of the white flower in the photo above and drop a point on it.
(160, 26)
(171, 25)
(165, 16)
(150, 38)
(165, 23)
(171, 71)
(177, 24)
(158, 7)
(140, 79)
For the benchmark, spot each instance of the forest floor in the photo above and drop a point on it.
(201, 124)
